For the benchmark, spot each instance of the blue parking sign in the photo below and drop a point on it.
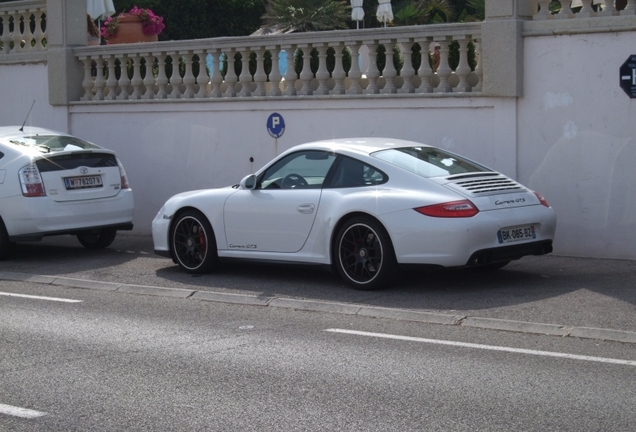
(276, 125)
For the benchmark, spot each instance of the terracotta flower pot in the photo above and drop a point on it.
(129, 30)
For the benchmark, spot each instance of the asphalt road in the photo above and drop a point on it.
(563, 296)
(94, 360)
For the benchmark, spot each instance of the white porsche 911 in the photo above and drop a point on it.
(52, 183)
(365, 207)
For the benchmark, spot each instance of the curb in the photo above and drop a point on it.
(333, 307)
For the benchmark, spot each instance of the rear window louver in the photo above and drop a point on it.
(73, 161)
(485, 185)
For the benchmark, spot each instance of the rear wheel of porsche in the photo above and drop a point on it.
(5, 245)
(193, 243)
(363, 254)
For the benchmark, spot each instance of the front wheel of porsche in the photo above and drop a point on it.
(363, 254)
(193, 243)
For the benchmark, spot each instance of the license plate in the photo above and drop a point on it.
(83, 182)
(508, 235)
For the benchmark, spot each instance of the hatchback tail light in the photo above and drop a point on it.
(31, 181)
(453, 209)
(123, 176)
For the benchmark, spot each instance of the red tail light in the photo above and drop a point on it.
(123, 176)
(454, 209)
(31, 181)
(542, 200)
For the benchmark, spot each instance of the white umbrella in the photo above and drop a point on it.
(100, 9)
(357, 13)
(385, 12)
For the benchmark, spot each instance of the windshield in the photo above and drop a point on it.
(53, 143)
(428, 161)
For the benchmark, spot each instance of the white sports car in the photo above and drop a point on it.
(365, 207)
(52, 183)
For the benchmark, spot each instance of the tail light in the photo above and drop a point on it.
(453, 209)
(542, 200)
(31, 181)
(123, 176)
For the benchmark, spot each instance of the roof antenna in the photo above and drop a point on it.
(27, 116)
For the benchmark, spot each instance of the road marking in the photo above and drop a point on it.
(40, 297)
(20, 412)
(487, 347)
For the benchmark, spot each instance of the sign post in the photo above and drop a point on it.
(627, 75)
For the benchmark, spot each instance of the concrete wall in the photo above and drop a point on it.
(577, 140)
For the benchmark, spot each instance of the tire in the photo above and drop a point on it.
(363, 254)
(5, 245)
(97, 238)
(193, 244)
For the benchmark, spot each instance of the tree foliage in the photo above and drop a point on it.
(307, 15)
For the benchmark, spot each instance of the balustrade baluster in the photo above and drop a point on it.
(6, 35)
(216, 79)
(443, 71)
(373, 73)
(290, 73)
(87, 83)
(322, 74)
(586, 11)
(275, 75)
(463, 68)
(354, 73)
(17, 36)
(27, 35)
(162, 78)
(230, 77)
(246, 77)
(202, 78)
(479, 72)
(124, 80)
(38, 35)
(149, 77)
(338, 73)
(175, 78)
(111, 82)
(565, 11)
(188, 78)
(260, 77)
(99, 83)
(306, 75)
(425, 72)
(407, 72)
(389, 73)
(136, 81)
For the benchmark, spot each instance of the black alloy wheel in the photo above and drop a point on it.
(193, 243)
(364, 255)
(5, 245)
(97, 238)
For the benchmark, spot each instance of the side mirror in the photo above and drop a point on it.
(248, 182)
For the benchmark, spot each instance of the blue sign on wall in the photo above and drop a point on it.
(276, 125)
(628, 76)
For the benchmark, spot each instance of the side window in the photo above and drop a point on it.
(300, 170)
(353, 173)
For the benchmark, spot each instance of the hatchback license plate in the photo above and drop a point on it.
(508, 235)
(83, 182)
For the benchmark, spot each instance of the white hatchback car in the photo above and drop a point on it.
(365, 207)
(52, 183)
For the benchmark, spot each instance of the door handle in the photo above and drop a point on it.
(306, 208)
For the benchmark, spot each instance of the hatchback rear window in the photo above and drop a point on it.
(53, 143)
(429, 161)
(72, 161)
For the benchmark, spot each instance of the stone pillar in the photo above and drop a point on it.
(502, 47)
(66, 27)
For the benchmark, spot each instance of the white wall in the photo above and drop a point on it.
(577, 140)
(172, 147)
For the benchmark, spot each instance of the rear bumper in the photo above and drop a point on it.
(39, 236)
(509, 253)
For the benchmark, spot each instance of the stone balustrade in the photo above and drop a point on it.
(22, 27)
(345, 62)
(577, 9)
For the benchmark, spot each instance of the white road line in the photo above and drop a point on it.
(20, 412)
(487, 347)
(40, 297)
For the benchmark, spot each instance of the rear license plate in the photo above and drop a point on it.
(508, 235)
(83, 182)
